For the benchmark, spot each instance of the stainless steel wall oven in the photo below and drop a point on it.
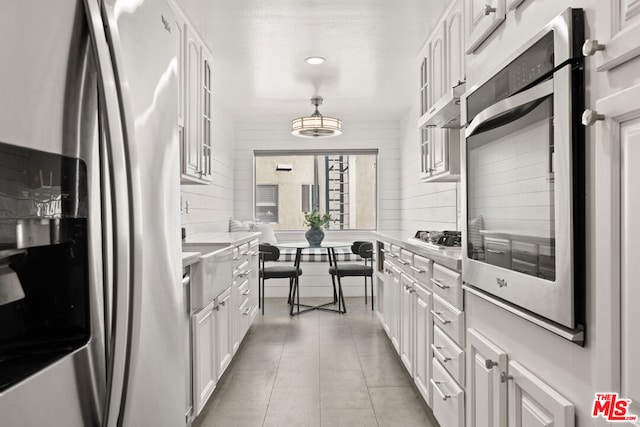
(524, 178)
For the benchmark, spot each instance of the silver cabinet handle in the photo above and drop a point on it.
(435, 386)
(224, 301)
(392, 255)
(403, 262)
(438, 353)
(489, 364)
(504, 377)
(417, 270)
(488, 9)
(590, 47)
(217, 308)
(442, 320)
(186, 280)
(244, 273)
(245, 293)
(440, 284)
(589, 117)
(238, 258)
(246, 311)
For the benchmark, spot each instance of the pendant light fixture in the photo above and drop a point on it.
(316, 125)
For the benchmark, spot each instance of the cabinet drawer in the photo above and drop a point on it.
(244, 288)
(449, 319)
(245, 307)
(449, 354)
(421, 270)
(448, 398)
(241, 271)
(447, 284)
(405, 258)
(240, 254)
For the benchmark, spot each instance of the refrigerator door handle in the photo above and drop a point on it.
(119, 339)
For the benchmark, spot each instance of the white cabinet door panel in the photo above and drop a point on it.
(482, 18)
(455, 45)
(617, 156)
(629, 289)
(423, 340)
(406, 323)
(204, 367)
(532, 403)
(486, 390)
(618, 23)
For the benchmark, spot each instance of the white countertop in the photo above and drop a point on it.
(189, 258)
(220, 238)
(450, 257)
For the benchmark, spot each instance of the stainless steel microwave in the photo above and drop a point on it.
(523, 178)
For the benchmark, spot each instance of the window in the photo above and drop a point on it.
(267, 202)
(342, 184)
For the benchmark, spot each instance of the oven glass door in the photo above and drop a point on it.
(510, 190)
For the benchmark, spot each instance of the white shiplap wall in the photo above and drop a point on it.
(424, 206)
(212, 205)
(383, 136)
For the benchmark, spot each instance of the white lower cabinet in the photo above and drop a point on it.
(502, 392)
(486, 382)
(223, 323)
(448, 398)
(204, 355)
(423, 340)
(407, 321)
(395, 292)
(532, 403)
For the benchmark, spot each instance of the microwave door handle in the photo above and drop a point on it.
(515, 105)
(118, 340)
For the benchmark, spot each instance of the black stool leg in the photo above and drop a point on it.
(365, 290)
(371, 293)
(335, 294)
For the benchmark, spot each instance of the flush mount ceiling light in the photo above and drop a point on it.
(316, 125)
(315, 60)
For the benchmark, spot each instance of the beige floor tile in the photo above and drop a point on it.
(358, 417)
(316, 368)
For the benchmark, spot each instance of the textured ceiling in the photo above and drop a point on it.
(259, 48)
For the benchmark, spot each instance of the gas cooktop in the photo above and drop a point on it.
(440, 239)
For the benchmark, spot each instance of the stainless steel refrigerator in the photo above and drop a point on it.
(90, 267)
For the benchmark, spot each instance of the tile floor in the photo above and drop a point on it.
(316, 369)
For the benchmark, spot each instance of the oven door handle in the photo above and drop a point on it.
(510, 108)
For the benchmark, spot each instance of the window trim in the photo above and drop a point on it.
(323, 152)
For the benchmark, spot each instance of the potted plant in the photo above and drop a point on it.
(316, 223)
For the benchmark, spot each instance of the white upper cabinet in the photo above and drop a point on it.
(482, 18)
(439, 67)
(618, 23)
(454, 35)
(194, 109)
(191, 148)
(441, 70)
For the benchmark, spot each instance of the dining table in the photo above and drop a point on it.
(338, 297)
